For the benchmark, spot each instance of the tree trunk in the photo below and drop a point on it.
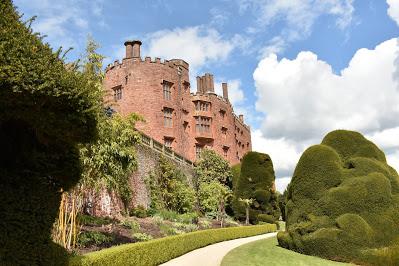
(247, 216)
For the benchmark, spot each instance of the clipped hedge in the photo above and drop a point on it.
(343, 202)
(161, 250)
(255, 181)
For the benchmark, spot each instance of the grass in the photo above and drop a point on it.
(267, 252)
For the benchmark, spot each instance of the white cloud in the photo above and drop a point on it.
(236, 93)
(64, 22)
(282, 183)
(296, 16)
(393, 10)
(198, 45)
(303, 99)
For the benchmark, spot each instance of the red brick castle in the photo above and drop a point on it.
(184, 121)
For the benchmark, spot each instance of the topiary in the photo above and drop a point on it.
(343, 200)
(46, 109)
(256, 181)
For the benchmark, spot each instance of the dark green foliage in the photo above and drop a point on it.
(282, 200)
(155, 252)
(46, 109)
(256, 181)
(236, 171)
(84, 219)
(139, 211)
(212, 167)
(90, 238)
(343, 202)
(169, 188)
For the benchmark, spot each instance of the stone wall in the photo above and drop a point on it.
(104, 203)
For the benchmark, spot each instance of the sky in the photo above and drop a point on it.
(296, 69)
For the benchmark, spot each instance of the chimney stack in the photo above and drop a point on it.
(225, 91)
(133, 49)
(241, 117)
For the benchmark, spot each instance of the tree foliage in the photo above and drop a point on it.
(169, 188)
(256, 182)
(213, 167)
(47, 108)
(343, 201)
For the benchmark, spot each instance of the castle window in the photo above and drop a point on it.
(224, 132)
(222, 113)
(202, 106)
(225, 151)
(167, 94)
(168, 142)
(167, 117)
(202, 124)
(198, 150)
(117, 93)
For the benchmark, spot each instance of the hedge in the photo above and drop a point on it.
(155, 252)
(256, 181)
(343, 202)
(46, 110)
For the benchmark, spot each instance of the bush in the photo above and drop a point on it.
(343, 201)
(266, 218)
(139, 212)
(256, 182)
(92, 220)
(141, 237)
(47, 109)
(90, 238)
(158, 251)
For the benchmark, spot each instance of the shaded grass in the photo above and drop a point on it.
(267, 252)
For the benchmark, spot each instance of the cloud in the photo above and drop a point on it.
(198, 45)
(65, 23)
(282, 183)
(303, 99)
(393, 10)
(297, 18)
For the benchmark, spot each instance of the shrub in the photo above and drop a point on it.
(141, 237)
(92, 220)
(343, 201)
(90, 238)
(236, 172)
(47, 109)
(256, 182)
(266, 218)
(169, 230)
(132, 225)
(139, 212)
(157, 251)
(205, 224)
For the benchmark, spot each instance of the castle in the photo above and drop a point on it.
(183, 121)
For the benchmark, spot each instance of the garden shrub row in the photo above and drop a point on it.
(158, 251)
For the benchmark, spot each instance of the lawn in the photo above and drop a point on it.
(267, 252)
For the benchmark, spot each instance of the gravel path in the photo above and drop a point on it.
(212, 255)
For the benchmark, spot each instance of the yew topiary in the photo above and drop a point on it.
(46, 109)
(343, 201)
(256, 181)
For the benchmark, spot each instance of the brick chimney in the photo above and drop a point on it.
(225, 91)
(133, 49)
(241, 117)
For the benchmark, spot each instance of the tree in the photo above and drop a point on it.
(247, 204)
(47, 108)
(343, 202)
(212, 167)
(256, 182)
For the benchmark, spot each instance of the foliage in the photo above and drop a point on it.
(93, 238)
(139, 212)
(211, 194)
(205, 224)
(47, 108)
(267, 252)
(169, 188)
(189, 217)
(256, 182)
(92, 220)
(169, 230)
(141, 237)
(212, 167)
(282, 201)
(157, 251)
(132, 225)
(236, 172)
(343, 200)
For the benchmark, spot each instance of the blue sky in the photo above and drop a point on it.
(288, 62)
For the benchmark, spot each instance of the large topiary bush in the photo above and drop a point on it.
(343, 201)
(46, 109)
(256, 181)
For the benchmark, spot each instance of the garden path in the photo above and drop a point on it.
(212, 255)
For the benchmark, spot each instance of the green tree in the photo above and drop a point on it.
(47, 108)
(247, 203)
(169, 188)
(256, 182)
(213, 197)
(212, 167)
(343, 202)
